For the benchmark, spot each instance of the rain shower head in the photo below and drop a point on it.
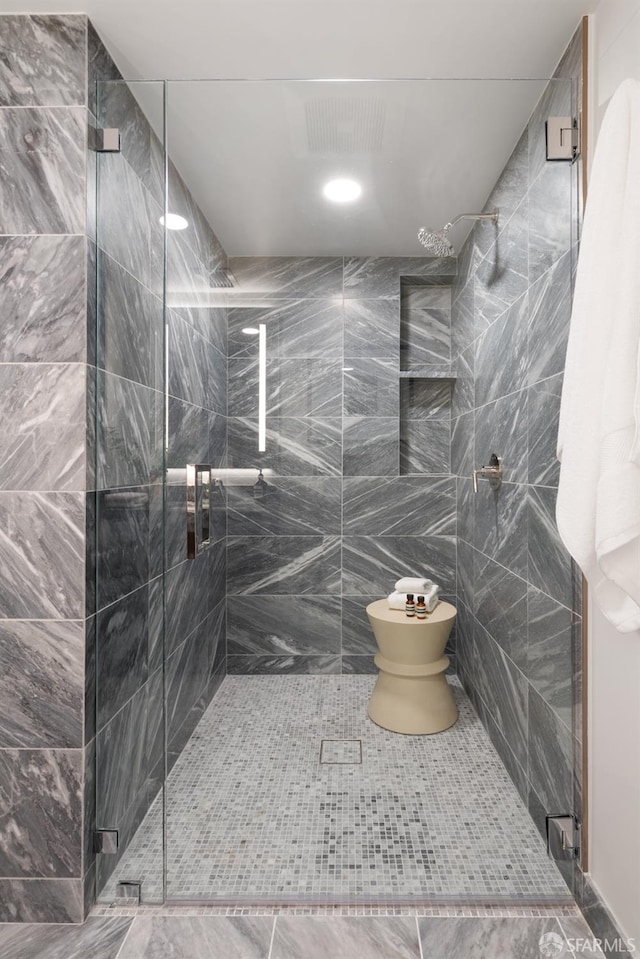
(438, 243)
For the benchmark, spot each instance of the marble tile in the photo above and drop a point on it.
(504, 690)
(465, 511)
(218, 440)
(486, 937)
(42, 170)
(379, 276)
(123, 543)
(43, 408)
(500, 605)
(370, 446)
(550, 566)
(187, 674)
(139, 248)
(507, 337)
(295, 387)
(602, 922)
(189, 361)
(89, 679)
(41, 813)
(577, 932)
(120, 787)
(404, 505)
(98, 937)
(199, 937)
(463, 459)
(516, 771)
(550, 227)
(56, 76)
(273, 625)
(175, 523)
(425, 446)
(343, 938)
(370, 387)
(41, 684)
(118, 107)
(372, 564)
(359, 665)
(130, 325)
(550, 750)
(188, 277)
(465, 573)
(156, 623)
(283, 565)
(500, 525)
(188, 434)
(422, 399)
(42, 548)
(41, 901)
(301, 327)
(279, 665)
(124, 432)
(543, 418)
(551, 666)
(463, 392)
(502, 276)
(290, 507)
(550, 315)
(48, 323)
(425, 335)
(554, 102)
(501, 428)
(189, 596)
(100, 66)
(506, 195)
(372, 328)
(295, 446)
(288, 276)
(357, 636)
(122, 651)
(463, 321)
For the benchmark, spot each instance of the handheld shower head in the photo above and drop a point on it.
(438, 243)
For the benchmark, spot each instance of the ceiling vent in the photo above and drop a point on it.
(345, 125)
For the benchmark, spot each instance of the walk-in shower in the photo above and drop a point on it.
(234, 756)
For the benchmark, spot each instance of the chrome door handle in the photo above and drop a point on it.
(493, 473)
(198, 508)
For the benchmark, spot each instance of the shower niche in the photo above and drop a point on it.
(426, 380)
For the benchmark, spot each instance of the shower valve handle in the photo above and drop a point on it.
(493, 473)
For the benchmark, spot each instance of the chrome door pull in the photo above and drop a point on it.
(198, 508)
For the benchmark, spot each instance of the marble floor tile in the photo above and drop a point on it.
(206, 937)
(97, 938)
(489, 938)
(345, 938)
(53, 78)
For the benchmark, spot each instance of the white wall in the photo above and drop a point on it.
(614, 662)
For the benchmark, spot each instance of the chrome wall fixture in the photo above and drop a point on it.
(492, 472)
(198, 508)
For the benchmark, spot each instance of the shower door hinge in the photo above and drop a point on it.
(128, 892)
(106, 139)
(563, 138)
(105, 841)
(563, 837)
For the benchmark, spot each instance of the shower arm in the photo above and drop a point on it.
(472, 216)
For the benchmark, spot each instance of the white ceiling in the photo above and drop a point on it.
(244, 149)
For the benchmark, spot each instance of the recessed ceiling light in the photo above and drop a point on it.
(175, 222)
(342, 191)
(250, 331)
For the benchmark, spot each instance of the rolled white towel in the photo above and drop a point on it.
(431, 598)
(413, 585)
(397, 600)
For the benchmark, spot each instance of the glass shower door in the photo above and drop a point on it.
(130, 391)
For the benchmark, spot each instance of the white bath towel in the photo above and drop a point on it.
(598, 509)
(413, 585)
(398, 600)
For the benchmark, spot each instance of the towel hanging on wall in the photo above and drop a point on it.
(598, 509)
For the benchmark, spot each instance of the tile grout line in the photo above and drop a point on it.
(273, 935)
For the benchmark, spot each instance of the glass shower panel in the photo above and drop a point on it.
(130, 475)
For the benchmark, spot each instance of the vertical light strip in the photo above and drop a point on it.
(262, 389)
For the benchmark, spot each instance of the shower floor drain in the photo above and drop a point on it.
(344, 751)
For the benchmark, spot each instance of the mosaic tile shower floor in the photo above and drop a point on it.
(253, 813)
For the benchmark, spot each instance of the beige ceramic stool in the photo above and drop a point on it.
(411, 694)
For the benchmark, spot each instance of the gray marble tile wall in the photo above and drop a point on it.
(140, 562)
(344, 513)
(43, 355)
(519, 602)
